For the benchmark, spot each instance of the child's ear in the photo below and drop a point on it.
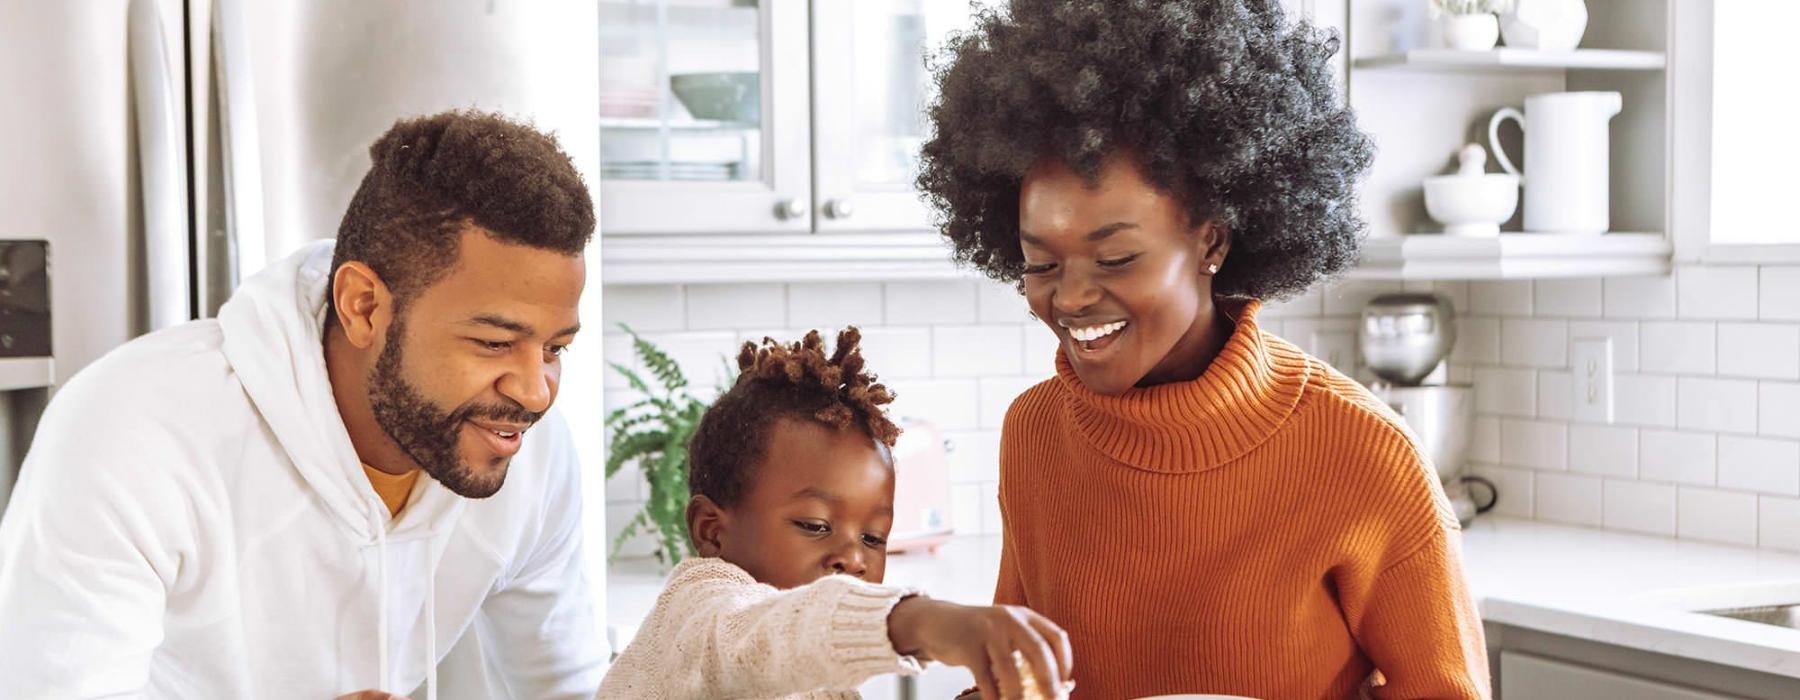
(706, 526)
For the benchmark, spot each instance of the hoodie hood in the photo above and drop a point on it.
(273, 337)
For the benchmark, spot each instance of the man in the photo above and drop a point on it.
(232, 508)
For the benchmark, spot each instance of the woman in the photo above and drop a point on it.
(1201, 505)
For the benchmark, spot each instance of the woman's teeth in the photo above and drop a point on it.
(504, 434)
(1092, 333)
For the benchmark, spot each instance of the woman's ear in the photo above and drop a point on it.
(1213, 240)
(706, 522)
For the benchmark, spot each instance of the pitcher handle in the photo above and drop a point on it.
(1494, 139)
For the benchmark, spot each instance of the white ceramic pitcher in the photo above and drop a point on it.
(1566, 147)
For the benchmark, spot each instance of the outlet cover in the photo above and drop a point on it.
(1591, 364)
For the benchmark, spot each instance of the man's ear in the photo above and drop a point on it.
(707, 522)
(364, 304)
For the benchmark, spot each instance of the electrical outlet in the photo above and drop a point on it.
(1591, 363)
(1336, 348)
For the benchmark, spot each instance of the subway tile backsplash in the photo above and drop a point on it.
(1705, 441)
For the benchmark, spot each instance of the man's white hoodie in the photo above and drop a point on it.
(192, 522)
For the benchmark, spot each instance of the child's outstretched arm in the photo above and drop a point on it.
(716, 632)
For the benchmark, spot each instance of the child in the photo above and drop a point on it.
(1248, 520)
(793, 495)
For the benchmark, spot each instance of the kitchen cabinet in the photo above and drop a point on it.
(704, 114)
(773, 140)
(1422, 103)
(1533, 665)
(1530, 676)
(767, 140)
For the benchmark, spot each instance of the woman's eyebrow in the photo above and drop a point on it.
(1093, 236)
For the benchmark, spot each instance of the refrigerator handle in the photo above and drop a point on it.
(245, 248)
(163, 174)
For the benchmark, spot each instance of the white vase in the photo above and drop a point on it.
(1471, 32)
(1545, 25)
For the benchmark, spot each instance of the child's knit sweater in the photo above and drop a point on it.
(717, 633)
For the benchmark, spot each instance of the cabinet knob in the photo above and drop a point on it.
(790, 209)
(839, 209)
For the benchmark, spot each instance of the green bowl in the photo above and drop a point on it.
(729, 97)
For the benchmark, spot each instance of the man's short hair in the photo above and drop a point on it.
(434, 176)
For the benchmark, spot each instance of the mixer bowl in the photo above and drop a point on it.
(1406, 335)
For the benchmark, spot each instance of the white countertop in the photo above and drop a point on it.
(1636, 591)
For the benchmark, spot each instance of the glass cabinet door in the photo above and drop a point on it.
(871, 90)
(703, 119)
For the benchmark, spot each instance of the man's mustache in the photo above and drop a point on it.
(509, 412)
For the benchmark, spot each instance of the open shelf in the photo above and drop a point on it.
(26, 372)
(1513, 255)
(652, 124)
(1521, 59)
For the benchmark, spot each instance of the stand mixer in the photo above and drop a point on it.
(1406, 338)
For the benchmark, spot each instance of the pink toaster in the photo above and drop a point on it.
(921, 489)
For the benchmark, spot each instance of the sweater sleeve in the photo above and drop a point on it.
(1417, 621)
(715, 632)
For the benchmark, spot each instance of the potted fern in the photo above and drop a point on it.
(653, 433)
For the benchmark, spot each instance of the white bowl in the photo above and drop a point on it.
(1472, 205)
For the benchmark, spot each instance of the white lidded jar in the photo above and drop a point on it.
(1545, 25)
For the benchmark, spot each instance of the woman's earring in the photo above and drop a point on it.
(1033, 315)
(1212, 269)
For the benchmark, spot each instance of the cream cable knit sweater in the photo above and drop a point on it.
(717, 633)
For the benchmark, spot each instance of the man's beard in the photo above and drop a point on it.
(428, 434)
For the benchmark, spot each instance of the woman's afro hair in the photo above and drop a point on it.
(1226, 105)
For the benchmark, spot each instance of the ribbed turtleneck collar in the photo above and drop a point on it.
(1244, 396)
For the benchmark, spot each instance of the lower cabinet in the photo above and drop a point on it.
(1532, 665)
(1529, 676)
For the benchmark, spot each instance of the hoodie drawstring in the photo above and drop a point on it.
(431, 680)
(431, 630)
(381, 634)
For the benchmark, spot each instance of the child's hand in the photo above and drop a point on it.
(985, 639)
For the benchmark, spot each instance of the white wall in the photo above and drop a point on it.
(955, 352)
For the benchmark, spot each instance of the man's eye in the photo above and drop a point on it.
(556, 350)
(490, 345)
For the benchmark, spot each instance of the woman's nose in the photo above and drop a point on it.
(1073, 293)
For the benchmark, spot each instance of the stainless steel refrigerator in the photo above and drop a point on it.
(167, 149)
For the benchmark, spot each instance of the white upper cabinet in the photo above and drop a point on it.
(704, 117)
(871, 87)
(779, 139)
(766, 116)
(768, 140)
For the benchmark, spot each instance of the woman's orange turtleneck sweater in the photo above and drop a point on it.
(1268, 529)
